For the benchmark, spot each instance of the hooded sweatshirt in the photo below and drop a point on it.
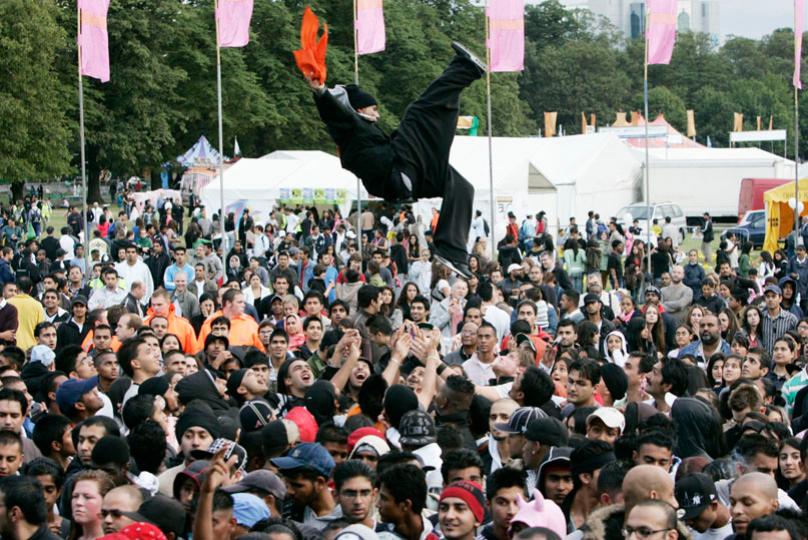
(200, 386)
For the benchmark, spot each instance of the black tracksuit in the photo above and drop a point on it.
(419, 149)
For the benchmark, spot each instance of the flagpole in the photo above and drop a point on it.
(83, 159)
(796, 166)
(221, 138)
(492, 228)
(358, 181)
(647, 158)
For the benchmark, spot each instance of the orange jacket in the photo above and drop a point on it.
(180, 327)
(243, 331)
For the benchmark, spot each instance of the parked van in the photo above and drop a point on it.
(659, 211)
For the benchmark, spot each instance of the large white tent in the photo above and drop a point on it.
(564, 176)
(297, 177)
(709, 179)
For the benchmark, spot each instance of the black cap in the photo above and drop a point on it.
(590, 298)
(549, 431)
(694, 493)
(417, 428)
(359, 98)
(519, 419)
(254, 415)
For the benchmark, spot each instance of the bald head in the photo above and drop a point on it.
(755, 482)
(647, 482)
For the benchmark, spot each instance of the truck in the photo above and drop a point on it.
(751, 194)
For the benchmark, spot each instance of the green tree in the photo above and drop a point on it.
(36, 131)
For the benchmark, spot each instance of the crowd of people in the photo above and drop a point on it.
(308, 376)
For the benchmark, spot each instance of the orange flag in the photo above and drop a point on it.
(310, 58)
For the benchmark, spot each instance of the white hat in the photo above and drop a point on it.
(43, 354)
(609, 416)
(513, 267)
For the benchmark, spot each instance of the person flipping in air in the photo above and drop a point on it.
(413, 162)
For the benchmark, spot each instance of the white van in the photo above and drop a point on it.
(659, 211)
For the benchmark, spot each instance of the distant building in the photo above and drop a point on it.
(629, 15)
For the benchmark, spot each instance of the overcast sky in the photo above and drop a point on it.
(755, 18)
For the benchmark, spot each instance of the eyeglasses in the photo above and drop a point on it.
(641, 532)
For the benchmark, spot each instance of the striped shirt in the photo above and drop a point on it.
(792, 387)
(776, 327)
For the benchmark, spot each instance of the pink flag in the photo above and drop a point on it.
(661, 34)
(799, 14)
(370, 36)
(93, 39)
(233, 22)
(506, 20)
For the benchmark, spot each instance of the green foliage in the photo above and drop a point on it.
(162, 95)
(35, 130)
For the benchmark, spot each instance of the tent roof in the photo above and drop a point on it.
(550, 162)
(200, 154)
(716, 156)
(786, 191)
(262, 177)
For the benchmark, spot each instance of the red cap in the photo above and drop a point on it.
(357, 434)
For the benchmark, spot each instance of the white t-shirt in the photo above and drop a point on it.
(478, 372)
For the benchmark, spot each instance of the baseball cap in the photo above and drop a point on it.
(218, 444)
(519, 419)
(306, 456)
(43, 354)
(254, 415)
(524, 338)
(694, 492)
(262, 480)
(248, 509)
(610, 416)
(79, 299)
(417, 428)
(591, 298)
(773, 288)
(70, 392)
(513, 267)
(549, 431)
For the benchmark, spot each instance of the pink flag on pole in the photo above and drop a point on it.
(93, 40)
(661, 33)
(799, 22)
(233, 21)
(506, 39)
(370, 36)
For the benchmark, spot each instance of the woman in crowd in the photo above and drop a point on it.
(256, 291)
(751, 317)
(790, 464)
(728, 323)
(715, 372)
(89, 488)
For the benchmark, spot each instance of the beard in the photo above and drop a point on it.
(709, 339)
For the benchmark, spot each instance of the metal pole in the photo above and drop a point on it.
(489, 122)
(83, 161)
(796, 166)
(647, 157)
(358, 181)
(221, 139)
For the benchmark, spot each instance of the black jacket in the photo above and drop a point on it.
(364, 148)
(68, 333)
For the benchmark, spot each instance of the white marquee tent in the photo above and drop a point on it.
(260, 183)
(564, 176)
